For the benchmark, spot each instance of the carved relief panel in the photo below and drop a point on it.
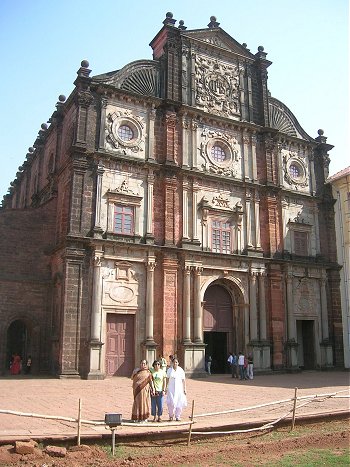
(306, 297)
(125, 131)
(217, 86)
(219, 152)
(121, 286)
(295, 170)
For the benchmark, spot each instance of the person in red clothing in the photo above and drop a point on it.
(16, 364)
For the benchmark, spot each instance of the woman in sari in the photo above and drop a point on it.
(141, 386)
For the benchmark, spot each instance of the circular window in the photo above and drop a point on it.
(294, 171)
(217, 153)
(125, 133)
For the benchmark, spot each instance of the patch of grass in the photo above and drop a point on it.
(314, 458)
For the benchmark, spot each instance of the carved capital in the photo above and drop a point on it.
(85, 98)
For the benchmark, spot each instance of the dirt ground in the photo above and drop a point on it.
(237, 449)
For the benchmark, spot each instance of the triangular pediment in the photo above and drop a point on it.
(219, 38)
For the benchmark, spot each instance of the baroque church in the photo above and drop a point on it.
(172, 207)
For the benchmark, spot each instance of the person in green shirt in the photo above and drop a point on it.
(159, 383)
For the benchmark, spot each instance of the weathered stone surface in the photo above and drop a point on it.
(25, 447)
(82, 447)
(56, 451)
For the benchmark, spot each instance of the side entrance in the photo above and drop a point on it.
(120, 344)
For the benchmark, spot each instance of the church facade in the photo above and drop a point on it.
(172, 206)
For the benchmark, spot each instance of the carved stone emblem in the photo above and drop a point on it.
(295, 170)
(135, 142)
(217, 86)
(121, 294)
(214, 144)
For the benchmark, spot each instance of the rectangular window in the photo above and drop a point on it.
(124, 220)
(221, 237)
(301, 243)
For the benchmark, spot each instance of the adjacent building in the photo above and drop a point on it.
(340, 183)
(172, 206)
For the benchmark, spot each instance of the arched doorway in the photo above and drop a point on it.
(17, 341)
(223, 323)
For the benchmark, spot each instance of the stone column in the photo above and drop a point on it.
(257, 221)
(262, 353)
(326, 347)
(262, 307)
(102, 135)
(246, 142)
(194, 212)
(95, 371)
(324, 313)
(149, 219)
(194, 126)
(312, 173)
(291, 319)
(291, 326)
(198, 318)
(249, 221)
(187, 305)
(185, 188)
(185, 123)
(151, 264)
(152, 117)
(253, 308)
(96, 299)
(97, 227)
(254, 166)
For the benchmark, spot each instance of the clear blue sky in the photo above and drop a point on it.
(43, 42)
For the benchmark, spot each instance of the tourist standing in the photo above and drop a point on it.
(241, 365)
(16, 364)
(229, 362)
(159, 384)
(176, 390)
(142, 385)
(250, 366)
(209, 364)
(234, 366)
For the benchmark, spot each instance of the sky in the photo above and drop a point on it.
(42, 44)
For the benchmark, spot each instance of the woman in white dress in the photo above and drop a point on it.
(176, 390)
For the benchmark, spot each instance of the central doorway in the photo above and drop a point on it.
(17, 341)
(218, 326)
(217, 349)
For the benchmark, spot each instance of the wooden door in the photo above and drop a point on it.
(120, 345)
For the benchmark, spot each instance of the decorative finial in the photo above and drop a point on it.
(321, 138)
(181, 25)
(260, 53)
(84, 69)
(43, 126)
(169, 19)
(62, 98)
(213, 23)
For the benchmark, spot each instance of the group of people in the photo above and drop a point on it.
(16, 364)
(241, 367)
(152, 385)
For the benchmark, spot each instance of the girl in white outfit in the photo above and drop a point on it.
(176, 390)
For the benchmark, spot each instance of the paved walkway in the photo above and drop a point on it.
(49, 396)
